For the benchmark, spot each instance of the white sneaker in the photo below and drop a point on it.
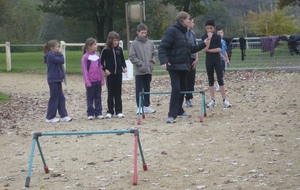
(226, 104)
(90, 117)
(211, 104)
(54, 120)
(120, 115)
(217, 87)
(108, 116)
(66, 119)
(100, 117)
(149, 110)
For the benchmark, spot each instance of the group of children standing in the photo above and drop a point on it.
(112, 63)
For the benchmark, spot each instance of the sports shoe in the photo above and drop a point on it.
(226, 104)
(184, 115)
(120, 115)
(188, 103)
(54, 120)
(217, 87)
(108, 116)
(211, 104)
(171, 120)
(100, 117)
(90, 117)
(147, 109)
(66, 119)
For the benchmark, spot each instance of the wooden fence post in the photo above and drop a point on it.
(63, 51)
(8, 56)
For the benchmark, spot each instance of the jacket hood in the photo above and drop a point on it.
(180, 27)
(144, 40)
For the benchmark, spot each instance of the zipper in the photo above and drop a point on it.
(115, 60)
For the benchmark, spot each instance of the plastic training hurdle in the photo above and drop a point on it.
(137, 144)
(141, 104)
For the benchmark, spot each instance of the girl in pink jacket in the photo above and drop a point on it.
(93, 78)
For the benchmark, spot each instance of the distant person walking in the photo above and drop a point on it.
(93, 79)
(55, 76)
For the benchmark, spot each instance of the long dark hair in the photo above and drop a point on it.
(89, 42)
(50, 44)
(110, 39)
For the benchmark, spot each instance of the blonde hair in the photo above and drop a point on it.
(182, 15)
(89, 42)
(50, 44)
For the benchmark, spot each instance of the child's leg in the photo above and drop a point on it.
(210, 75)
(90, 92)
(118, 93)
(62, 101)
(53, 100)
(97, 95)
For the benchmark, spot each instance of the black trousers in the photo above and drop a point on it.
(178, 83)
(212, 65)
(114, 93)
(190, 82)
(142, 84)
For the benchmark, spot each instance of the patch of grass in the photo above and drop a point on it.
(4, 98)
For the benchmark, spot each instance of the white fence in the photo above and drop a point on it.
(63, 45)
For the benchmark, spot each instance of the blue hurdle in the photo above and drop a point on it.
(141, 104)
(35, 141)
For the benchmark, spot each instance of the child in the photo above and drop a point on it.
(93, 78)
(194, 60)
(224, 56)
(113, 63)
(141, 55)
(213, 62)
(55, 76)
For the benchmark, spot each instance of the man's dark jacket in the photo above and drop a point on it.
(176, 49)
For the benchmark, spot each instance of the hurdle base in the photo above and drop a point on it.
(145, 167)
(27, 182)
(46, 169)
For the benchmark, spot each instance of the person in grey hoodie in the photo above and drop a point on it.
(142, 56)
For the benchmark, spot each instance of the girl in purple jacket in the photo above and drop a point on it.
(93, 79)
(55, 76)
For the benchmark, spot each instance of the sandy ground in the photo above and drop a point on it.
(253, 145)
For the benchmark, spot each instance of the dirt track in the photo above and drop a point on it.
(253, 145)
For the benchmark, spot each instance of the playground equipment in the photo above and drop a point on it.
(137, 144)
(141, 104)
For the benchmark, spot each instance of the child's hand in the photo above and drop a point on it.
(107, 72)
(125, 70)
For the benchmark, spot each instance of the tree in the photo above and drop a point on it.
(224, 19)
(193, 7)
(23, 23)
(102, 13)
(284, 3)
(272, 23)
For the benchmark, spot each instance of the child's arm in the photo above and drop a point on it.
(123, 62)
(85, 72)
(132, 56)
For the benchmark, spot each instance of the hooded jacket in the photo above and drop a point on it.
(141, 55)
(91, 68)
(176, 49)
(55, 70)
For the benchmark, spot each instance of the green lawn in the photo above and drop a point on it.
(4, 98)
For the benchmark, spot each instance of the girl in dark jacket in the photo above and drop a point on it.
(113, 64)
(174, 53)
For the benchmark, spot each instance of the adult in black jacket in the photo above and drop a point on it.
(174, 53)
